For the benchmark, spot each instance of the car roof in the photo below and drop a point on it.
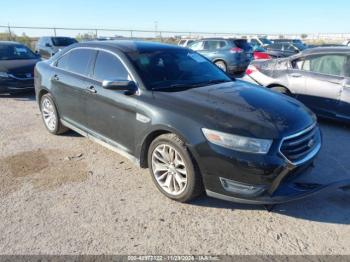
(223, 38)
(9, 43)
(56, 37)
(128, 46)
(324, 50)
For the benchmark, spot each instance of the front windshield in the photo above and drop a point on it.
(63, 41)
(265, 41)
(15, 52)
(175, 68)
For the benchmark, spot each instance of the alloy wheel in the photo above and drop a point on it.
(49, 115)
(169, 169)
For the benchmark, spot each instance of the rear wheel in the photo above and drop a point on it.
(50, 115)
(173, 170)
(222, 65)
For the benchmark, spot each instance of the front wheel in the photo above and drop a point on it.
(173, 170)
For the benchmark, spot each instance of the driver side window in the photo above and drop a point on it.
(109, 67)
(326, 64)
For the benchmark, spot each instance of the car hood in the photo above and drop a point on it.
(18, 66)
(241, 108)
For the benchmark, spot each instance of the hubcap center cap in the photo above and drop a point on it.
(172, 169)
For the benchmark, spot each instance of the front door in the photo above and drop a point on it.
(324, 82)
(111, 114)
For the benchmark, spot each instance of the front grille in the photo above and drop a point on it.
(22, 75)
(299, 147)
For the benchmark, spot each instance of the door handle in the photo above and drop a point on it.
(55, 78)
(91, 89)
(296, 75)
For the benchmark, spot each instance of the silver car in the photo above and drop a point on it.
(319, 77)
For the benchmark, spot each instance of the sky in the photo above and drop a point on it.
(252, 16)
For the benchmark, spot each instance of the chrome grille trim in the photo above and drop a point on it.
(312, 152)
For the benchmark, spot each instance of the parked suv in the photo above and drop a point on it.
(319, 77)
(171, 110)
(230, 55)
(48, 46)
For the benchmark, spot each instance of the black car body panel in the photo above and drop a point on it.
(20, 71)
(128, 122)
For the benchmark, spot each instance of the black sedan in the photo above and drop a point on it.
(284, 49)
(171, 110)
(17, 64)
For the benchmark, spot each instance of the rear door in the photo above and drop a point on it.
(324, 82)
(111, 113)
(45, 48)
(209, 49)
(297, 78)
(69, 85)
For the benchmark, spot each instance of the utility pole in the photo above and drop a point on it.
(155, 28)
(9, 28)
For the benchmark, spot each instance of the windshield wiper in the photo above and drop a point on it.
(175, 86)
(187, 86)
(213, 82)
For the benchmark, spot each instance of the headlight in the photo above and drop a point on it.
(4, 75)
(238, 143)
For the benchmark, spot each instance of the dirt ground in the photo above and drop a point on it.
(67, 195)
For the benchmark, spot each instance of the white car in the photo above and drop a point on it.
(185, 42)
(347, 43)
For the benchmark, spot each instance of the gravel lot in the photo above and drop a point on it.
(67, 195)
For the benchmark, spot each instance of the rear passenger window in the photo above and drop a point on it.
(213, 45)
(109, 67)
(62, 63)
(76, 61)
(197, 46)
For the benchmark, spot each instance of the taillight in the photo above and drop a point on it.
(251, 69)
(236, 50)
(260, 55)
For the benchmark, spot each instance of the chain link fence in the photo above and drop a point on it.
(29, 35)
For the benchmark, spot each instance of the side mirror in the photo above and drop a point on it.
(48, 45)
(121, 85)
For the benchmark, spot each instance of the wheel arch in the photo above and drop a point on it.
(219, 60)
(279, 85)
(150, 137)
(41, 93)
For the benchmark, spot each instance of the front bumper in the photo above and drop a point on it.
(13, 85)
(281, 180)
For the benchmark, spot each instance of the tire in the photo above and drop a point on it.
(280, 89)
(222, 65)
(49, 111)
(177, 176)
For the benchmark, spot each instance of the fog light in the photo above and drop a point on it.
(242, 189)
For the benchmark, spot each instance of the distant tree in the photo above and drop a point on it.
(86, 36)
(23, 39)
(304, 36)
(281, 36)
